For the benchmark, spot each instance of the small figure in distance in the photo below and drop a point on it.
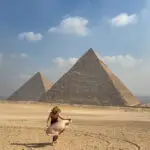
(54, 115)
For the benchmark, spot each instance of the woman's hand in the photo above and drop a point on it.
(69, 119)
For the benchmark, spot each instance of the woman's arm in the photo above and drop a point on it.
(48, 118)
(62, 117)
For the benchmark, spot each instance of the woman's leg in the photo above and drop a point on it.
(55, 137)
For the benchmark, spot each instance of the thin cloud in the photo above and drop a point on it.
(23, 55)
(72, 25)
(24, 76)
(126, 61)
(30, 36)
(19, 55)
(61, 62)
(124, 19)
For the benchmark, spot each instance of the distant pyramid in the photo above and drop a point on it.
(33, 89)
(90, 81)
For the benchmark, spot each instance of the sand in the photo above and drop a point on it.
(22, 127)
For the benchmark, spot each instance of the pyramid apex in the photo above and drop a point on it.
(38, 73)
(90, 50)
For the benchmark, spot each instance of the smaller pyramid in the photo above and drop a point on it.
(32, 89)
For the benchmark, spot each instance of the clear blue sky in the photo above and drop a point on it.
(37, 52)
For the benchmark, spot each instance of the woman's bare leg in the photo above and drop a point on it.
(55, 137)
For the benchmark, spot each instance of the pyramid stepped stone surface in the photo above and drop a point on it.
(90, 81)
(33, 89)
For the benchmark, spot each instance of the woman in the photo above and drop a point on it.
(54, 115)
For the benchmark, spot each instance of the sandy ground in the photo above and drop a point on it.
(22, 128)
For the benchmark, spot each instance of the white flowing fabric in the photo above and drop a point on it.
(57, 127)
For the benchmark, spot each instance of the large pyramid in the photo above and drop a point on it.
(90, 81)
(33, 89)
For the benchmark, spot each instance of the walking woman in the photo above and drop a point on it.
(54, 115)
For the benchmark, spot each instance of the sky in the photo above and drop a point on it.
(50, 35)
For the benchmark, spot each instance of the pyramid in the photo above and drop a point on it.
(33, 89)
(90, 81)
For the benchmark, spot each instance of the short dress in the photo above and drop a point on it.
(53, 120)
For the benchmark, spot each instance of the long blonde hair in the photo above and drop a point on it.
(55, 110)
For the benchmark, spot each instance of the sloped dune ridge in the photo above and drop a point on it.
(22, 127)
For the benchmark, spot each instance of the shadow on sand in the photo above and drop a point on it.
(32, 145)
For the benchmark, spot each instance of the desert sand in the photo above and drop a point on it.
(22, 127)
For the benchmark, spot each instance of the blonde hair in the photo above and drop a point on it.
(55, 110)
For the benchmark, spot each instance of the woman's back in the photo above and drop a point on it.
(54, 115)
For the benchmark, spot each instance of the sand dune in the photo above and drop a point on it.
(22, 128)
